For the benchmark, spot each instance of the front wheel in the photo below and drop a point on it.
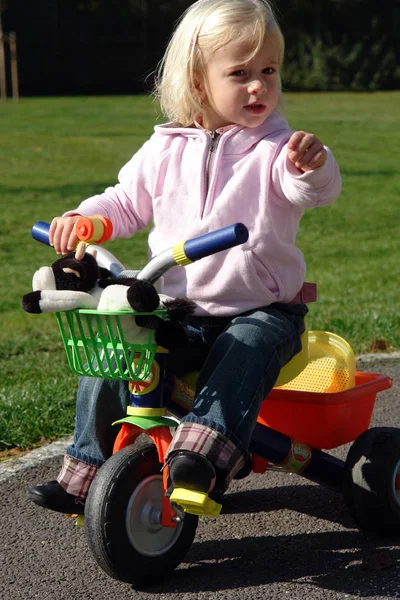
(123, 520)
(372, 481)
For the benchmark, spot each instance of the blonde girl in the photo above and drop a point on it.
(226, 154)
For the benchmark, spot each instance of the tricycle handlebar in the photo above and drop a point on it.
(180, 254)
(194, 249)
(40, 232)
(96, 229)
(216, 241)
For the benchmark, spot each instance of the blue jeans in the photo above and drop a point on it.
(240, 360)
(100, 402)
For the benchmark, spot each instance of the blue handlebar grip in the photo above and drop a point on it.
(40, 232)
(216, 241)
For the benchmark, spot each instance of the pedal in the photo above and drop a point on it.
(195, 503)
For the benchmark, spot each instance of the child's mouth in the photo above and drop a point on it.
(255, 109)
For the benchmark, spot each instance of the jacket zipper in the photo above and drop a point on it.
(214, 142)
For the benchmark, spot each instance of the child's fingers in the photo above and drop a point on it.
(306, 157)
(308, 141)
(60, 239)
(298, 146)
(318, 159)
(63, 236)
(295, 139)
(306, 150)
(303, 143)
(53, 227)
(69, 239)
(72, 241)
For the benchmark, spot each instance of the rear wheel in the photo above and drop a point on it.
(123, 520)
(372, 481)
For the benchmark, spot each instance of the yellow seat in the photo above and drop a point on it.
(331, 366)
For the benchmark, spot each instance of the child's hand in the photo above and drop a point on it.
(305, 151)
(62, 234)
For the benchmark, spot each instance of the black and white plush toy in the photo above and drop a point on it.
(77, 281)
(70, 282)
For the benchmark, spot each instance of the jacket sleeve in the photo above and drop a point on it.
(314, 188)
(128, 204)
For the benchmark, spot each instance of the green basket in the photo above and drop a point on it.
(96, 344)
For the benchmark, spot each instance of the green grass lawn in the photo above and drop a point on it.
(56, 151)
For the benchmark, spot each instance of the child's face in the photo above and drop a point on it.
(239, 91)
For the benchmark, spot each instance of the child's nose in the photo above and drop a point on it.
(257, 86)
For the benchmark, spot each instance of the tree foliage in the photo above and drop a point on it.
(341, 45)
(98, 46)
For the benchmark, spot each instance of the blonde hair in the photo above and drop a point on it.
(208, 25)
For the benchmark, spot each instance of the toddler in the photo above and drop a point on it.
(226, 154)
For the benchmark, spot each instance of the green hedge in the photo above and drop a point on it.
(341, 44)
(331, 44)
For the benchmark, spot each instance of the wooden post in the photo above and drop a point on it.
(14, 65)
(3, 84)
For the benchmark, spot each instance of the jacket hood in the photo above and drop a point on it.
(246, 136)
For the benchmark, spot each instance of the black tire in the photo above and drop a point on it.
(370, 491)
(122, 520)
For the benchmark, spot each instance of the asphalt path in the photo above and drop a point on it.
(280, 536)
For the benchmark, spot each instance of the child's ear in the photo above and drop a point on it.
(199, 89)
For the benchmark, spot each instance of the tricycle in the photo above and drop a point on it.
(136, 533)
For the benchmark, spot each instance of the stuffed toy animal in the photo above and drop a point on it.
(70, 282)
(77, 281)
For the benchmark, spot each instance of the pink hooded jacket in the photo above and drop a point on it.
(188, 184)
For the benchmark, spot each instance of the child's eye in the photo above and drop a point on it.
(238, 73)
(269, 70)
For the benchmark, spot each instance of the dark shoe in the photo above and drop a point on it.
(191, 471)
(192, 479)
(52, 495)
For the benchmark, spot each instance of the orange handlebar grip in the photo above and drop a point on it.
(97, 229)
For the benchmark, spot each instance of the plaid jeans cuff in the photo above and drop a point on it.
(221, 452)
(76, 476)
